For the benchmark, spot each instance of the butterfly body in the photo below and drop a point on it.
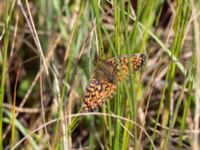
(105, 70)
(103, 82)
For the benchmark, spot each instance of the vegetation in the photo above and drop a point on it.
(48, 51)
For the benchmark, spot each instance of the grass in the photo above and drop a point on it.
(54, 48)
(3, 74)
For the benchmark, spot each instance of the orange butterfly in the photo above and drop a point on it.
(103, 82)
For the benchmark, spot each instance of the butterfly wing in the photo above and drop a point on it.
(98, 91)
(121, 67)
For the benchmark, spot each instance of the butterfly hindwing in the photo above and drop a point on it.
(97, 92)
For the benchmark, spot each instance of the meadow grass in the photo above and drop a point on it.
(47, 58)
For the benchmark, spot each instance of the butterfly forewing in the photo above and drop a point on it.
(103, 83)
(121, 65)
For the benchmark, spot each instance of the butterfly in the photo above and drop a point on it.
(103, 82)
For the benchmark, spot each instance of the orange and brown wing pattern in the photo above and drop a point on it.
(97, 93)
(103, 83)
(121, 67)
